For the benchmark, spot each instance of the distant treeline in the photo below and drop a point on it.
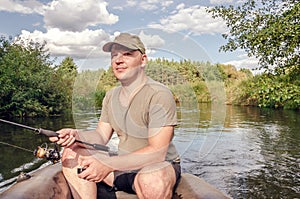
(31, 86)
(241, 87)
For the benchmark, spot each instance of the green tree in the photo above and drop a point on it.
(30, 85)
(266, 29)
(23, 72)
(66, 73)
(271, 91)
(86, 95)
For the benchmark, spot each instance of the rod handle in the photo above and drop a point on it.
(47, 133)
(100, 147)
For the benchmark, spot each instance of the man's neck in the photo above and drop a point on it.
(130, 87)
(128, 91)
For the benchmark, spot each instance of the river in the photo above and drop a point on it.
(245, 152)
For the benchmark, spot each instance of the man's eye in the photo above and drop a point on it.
(127, 53)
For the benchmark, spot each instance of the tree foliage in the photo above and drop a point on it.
(65, 74)
(187, 79)
(242, 88)
(30, 86)
(86, 95)
(269, 91)
(266, 29)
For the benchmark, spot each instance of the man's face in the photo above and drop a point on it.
(126, 63)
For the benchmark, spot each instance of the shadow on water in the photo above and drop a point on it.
(251, 153)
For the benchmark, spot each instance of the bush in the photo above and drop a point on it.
(270, 91)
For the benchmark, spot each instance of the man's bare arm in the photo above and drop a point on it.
(67, 137)
(154, 152)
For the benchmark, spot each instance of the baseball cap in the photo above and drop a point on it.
(125, 39)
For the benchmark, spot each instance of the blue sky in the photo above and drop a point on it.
(173, 29)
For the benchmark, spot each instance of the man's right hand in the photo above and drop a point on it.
(66, 137)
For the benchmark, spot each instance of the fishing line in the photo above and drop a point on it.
(15, 146)
(51, 154)
(50, 133)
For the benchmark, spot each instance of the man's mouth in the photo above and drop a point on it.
(120, 69)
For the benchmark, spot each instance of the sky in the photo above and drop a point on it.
(171, 29)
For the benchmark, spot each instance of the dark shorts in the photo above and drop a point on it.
(125, 181)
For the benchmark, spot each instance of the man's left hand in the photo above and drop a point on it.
(95, 170)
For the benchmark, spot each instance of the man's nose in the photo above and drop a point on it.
(118, 58)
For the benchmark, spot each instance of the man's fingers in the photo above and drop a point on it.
(53, 139)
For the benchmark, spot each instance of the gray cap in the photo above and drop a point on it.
(125, 39)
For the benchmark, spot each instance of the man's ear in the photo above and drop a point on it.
(144, 60)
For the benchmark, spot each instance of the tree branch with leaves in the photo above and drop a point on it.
(266, 29)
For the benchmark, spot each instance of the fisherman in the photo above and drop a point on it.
(142, 112)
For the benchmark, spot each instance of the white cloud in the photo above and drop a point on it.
(166, 3)
(131, 3)
(72, 27)
(24, 7)
(148, 5)
(180, 6)
(77, 15)
(223, 2)
(151, 41)
(244, 62)
(67, 43)
(193, 19)
(120, 8)
(220, 2)
(67, 25)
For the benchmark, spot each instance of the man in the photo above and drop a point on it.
(143, 114)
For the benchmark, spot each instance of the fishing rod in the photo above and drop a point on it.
(50, 133)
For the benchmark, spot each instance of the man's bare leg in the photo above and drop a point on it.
(155, 181)
(80, 188)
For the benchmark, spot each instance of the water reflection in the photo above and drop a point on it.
(245, 152)
(255, 155)
(17, 145)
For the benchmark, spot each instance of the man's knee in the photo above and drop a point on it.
(159, 182)
(154, 181)
(69, 157)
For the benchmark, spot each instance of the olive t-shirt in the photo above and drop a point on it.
(153, 106)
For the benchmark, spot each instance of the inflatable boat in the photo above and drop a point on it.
(49, 182)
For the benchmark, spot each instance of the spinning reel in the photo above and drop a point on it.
(44, 152)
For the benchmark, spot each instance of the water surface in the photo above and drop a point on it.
(245, 152)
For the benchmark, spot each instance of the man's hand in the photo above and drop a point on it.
(66, 137)
(95, 170)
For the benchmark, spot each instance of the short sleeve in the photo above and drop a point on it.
(162, 110)
(104, 117)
